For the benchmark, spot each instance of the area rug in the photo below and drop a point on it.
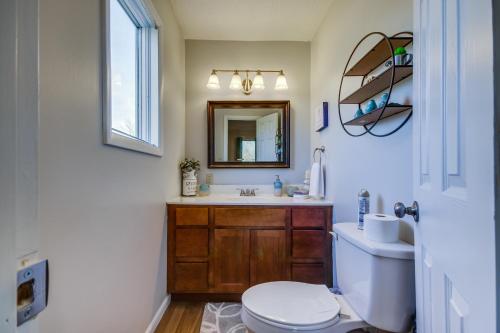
(222, 318)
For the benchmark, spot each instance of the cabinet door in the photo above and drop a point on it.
(268, 256)
(231, 260)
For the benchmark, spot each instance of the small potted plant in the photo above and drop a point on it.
(189, 169)
(401, 57)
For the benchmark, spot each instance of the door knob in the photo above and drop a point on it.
(400, 210)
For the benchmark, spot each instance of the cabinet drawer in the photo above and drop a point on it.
(191, 276)
(309, 273)
(308, 244)
(250, 217)
(308, 217)
(191, 243)
(191, 216)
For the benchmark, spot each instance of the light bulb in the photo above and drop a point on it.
(213, 81)
(258, 81)
(236, 82)
(281, 82)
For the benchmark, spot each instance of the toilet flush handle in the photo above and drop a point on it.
(400, 210)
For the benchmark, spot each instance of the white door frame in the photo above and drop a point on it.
(496, 69)
(8, 124)
(18, 151)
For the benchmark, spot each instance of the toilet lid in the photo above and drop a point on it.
(292, 303)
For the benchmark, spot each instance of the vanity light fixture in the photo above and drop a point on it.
(247, 85)
(281, 82)
(213, 81)
(236, 82)
(258, 81)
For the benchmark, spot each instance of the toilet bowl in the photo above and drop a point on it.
(285, 306)
(377, 281)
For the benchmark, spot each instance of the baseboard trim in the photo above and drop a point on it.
(158, 315)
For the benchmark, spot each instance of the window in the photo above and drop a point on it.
(131, 110)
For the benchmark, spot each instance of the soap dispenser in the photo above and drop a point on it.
(278, 186)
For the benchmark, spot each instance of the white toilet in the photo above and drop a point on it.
(377, 283)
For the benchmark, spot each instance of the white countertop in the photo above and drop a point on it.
(229, 195)
(264, 200)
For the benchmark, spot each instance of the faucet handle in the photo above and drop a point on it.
(242, 191)
(252, 192)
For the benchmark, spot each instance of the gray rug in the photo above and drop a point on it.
(222, 318)
(226, 318)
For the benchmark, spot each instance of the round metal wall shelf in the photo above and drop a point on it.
(385, 81)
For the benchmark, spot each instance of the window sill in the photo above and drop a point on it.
(122, 141)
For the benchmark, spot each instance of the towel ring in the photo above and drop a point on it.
(320, 149)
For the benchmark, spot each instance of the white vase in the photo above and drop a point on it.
(189, 183)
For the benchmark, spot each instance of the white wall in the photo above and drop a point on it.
(382, 165)
(292, 57)
(102, 209)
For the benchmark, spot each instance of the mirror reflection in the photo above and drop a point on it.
(248, 135)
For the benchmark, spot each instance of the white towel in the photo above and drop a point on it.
(317, 181)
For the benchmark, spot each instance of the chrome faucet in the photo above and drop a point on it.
(249, 192)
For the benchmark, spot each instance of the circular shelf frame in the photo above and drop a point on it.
(368, 128)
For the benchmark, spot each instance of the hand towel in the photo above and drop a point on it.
(317, 182)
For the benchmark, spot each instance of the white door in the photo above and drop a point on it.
(453, 169)
(266, 136)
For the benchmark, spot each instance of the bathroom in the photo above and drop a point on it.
(134, 242)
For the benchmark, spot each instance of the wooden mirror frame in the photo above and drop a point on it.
(283, 105)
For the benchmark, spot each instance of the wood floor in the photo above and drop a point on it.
(182, 317)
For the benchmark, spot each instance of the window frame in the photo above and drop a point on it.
(144, 16)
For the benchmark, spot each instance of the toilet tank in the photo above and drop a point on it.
(377, 279)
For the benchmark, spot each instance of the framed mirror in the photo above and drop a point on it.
(248, 134)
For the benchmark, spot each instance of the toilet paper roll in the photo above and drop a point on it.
(381, 228)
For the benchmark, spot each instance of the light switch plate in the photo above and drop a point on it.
(32, 291)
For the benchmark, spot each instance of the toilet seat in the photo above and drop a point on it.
(285, 306)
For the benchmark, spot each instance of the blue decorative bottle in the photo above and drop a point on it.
(278, 187)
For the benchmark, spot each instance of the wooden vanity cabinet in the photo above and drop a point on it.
(215, 252)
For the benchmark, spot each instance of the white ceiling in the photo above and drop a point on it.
(250, 20)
